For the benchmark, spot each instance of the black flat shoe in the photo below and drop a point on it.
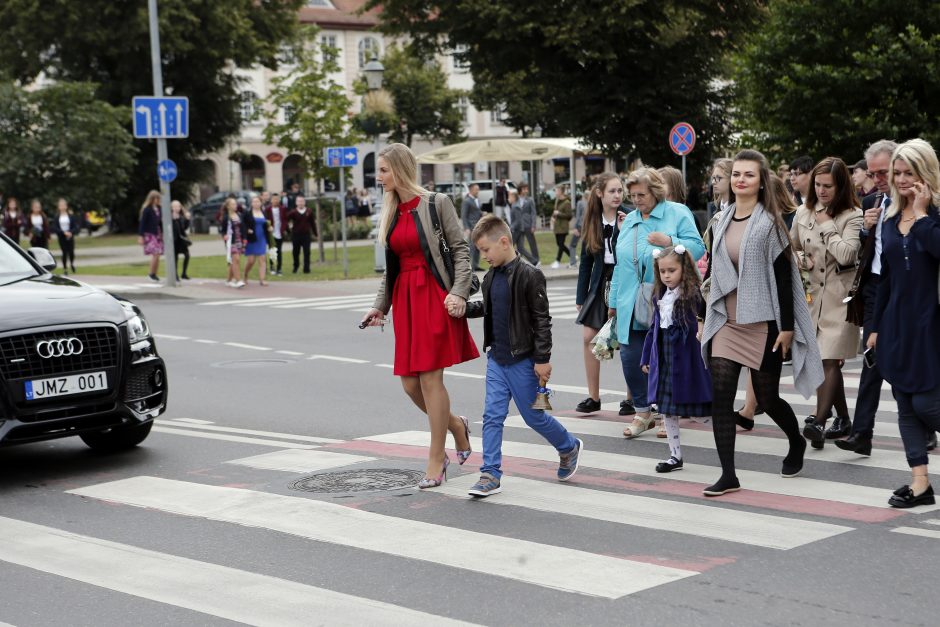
(588, 406)
(841, 427)
(793, 462)
(907, 499)
(856, 444)
(669, 465)
(812, 418)
(815, 434)
(627, 408)
(745, 423)
(722, 486)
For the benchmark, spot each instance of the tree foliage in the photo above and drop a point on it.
(831, 78)
(108, 43)
(60, 141)
(308, 111)
(618, 74)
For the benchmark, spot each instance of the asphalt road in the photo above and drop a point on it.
(203, 524)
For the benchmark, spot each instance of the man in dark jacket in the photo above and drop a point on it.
(470, 213)
(276, 213)
(303, 230)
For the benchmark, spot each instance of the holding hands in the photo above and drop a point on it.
(455, 305)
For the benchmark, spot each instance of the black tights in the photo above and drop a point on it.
(831, 394)
(562, 249)
(725, 374)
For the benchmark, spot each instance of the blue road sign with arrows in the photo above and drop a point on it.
(156, 117)
(166, 170)
(342, 156)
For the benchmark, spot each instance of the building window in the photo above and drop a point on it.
(461, 65)
(323, 4)
(498, 115)
(249, 106)
(463, 105)
(329, 48)
(368, 48)
(288, 111)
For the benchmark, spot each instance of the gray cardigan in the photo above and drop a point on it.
(757, 293)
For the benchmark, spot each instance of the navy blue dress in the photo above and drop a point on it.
(907, 316)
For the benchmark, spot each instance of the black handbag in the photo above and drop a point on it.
(446, 254)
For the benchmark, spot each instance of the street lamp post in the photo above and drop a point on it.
(374, 71)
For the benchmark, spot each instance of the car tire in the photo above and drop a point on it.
(118, 438)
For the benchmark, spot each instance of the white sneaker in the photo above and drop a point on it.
(555, 265)
(240, 284)
(230, 284)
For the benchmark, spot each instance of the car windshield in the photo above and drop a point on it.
(13, 265)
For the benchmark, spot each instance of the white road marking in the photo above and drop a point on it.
(775, 532)
(466, 375)
(553, 567)
(194, 421)
(229, 593)
(914, 531)
(389, 366)
(266, 303)
(802, 486)
(206, 341)
(299, 461)
(247, 346)
(228, 438)
(892, 460)
(291, 353)
(165, 336)
(348, 360)
(242, 301)
(267, 434)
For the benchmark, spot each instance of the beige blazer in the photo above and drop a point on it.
(460, 250)
(828, 253)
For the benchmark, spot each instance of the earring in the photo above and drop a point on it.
(762, 187)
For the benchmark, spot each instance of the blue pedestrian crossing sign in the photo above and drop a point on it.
(166, 170)
(342, 156)
(156, 117)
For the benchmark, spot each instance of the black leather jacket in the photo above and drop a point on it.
(530, 325)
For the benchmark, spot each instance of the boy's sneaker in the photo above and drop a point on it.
(485, 486)
(568, 462)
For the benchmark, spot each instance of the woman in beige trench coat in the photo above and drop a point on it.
(825, 234)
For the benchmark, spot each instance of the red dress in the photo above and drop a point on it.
(426, 336)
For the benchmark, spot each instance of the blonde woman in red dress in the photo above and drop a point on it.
(420, 291)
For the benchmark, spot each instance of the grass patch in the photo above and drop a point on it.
(361, 264)
(103, 241)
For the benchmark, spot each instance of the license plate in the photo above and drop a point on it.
(38, 389)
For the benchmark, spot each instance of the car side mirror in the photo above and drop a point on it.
(43, 257)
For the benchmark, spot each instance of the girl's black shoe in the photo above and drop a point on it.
(722, 486)
(816, 434)
(669, 465)
(904, 498)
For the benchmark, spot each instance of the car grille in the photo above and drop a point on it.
(140, 383)
(19, 359)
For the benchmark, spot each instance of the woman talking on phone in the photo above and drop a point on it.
(419, 289)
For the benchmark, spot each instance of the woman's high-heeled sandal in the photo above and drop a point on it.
(638, 426)
(463, 456)
(434, 482)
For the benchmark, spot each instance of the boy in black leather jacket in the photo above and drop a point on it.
(518, 334)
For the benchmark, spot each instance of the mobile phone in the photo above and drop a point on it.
(869, 357)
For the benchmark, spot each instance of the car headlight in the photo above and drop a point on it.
(137, 327)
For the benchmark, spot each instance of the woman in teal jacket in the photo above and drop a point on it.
(656, 223)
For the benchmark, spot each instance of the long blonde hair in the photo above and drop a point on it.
(153, 198)
(404, 166)
(922, 159)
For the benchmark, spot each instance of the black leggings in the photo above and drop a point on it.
(67, 244)
(725, 374)
(562, 249)
(181, 249)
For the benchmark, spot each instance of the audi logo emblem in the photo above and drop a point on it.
(65, 347)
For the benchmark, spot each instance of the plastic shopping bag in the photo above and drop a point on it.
(605, 342)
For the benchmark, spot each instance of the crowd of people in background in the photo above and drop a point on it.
(37, 228)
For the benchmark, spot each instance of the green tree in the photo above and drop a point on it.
(60, 141)
(308, 111)
(108, 43)
(617, 74)
(863, 70)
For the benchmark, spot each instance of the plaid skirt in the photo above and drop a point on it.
(664, 403)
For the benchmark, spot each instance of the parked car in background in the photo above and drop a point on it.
(486, 191)
(95, 219)
(455, 189)
(74, 359)
(210, 207)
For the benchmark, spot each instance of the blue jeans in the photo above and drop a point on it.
(519, 383)
(637, 380)
(918, 417)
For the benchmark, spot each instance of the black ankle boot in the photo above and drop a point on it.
(856, 444)
(841, 427)
(815, 434)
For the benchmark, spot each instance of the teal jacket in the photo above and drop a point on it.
(671, 218)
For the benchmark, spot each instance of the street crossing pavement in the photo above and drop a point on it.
(616, 488)
(560, 299)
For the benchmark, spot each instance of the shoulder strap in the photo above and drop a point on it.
(436, 222)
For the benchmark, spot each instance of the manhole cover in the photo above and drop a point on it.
(366, 480)
(251, 363)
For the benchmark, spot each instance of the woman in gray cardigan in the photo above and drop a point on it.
(756, 314)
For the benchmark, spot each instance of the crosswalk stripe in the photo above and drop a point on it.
(882, 429)
(241, 301)
(744, 443)
(775, 532)
(192, 433)
(553, 567)
(915, 531)
(802, 486)
(300, 460)
(887, 406)
(183, 422)
(211, 589)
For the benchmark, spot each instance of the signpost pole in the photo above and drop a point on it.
(683, 170)
(342, 196)
(166, 213)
